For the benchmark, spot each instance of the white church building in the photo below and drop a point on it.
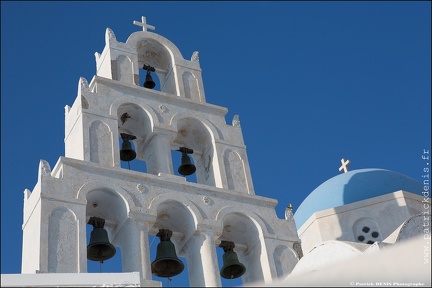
(366, 227)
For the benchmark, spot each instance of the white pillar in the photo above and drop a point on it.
(158, 153)
(202, 259)
(133, 240)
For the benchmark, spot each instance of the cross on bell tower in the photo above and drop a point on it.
(144, 24)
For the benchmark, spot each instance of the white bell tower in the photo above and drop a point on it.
(220, 207)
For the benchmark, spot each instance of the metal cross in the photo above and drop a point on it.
(144, 24)
(344, 166)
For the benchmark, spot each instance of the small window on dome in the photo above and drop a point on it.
(366, 230)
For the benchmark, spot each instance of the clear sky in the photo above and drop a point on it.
(312, 82)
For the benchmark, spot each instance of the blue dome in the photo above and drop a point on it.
(354, 186)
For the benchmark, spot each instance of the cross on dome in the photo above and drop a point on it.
(344, 166)
(144, 24)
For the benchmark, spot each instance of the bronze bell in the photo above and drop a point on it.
(149, 83)
(232, 268)
(186, 167)
(99, 248)
(126, 152)
(166, 263)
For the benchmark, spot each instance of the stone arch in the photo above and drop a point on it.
(115, 106)
(170, 48)
(235, 171)
(109, 202)
(90, 186)
(198, 135)
(167, 197)
(63, 241)
(101, 144)
(181, 217)
(259, 223)
(194, 134)
(105, 203)
(133, 120)
(212, 130)
(158, 52)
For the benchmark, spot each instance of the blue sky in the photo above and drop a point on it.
(312, 82)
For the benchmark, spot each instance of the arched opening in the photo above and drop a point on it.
(112, 265)
(241, 230)
(107, 205)
(194, 135)
(174, 216)
(134, 127)
(152, 53)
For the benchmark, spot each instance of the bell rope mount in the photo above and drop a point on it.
(186, 167)
(232, 268)
(166, 263)
(126, 152)
(99, 248)
(149, 83)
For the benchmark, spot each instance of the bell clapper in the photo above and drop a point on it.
(100, 266)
